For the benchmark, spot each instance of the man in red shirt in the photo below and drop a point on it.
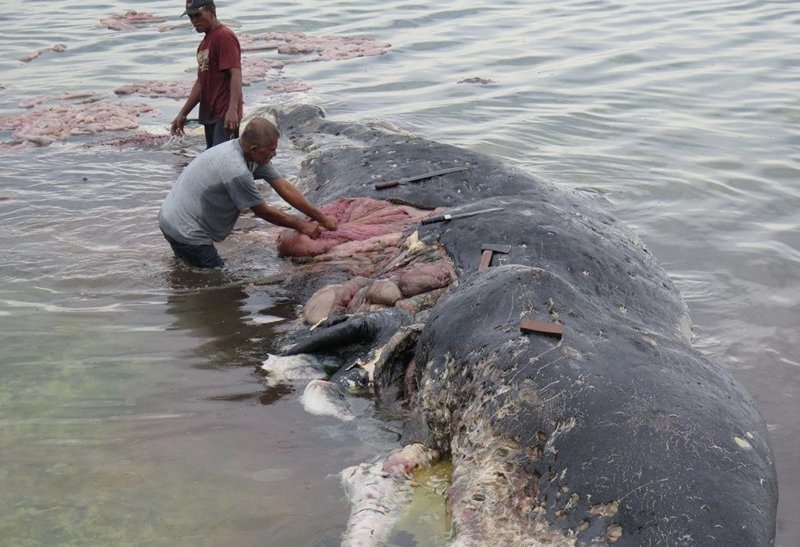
(218, 87)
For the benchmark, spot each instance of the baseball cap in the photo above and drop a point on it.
(193, 6)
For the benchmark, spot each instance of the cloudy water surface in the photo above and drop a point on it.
(131, 411)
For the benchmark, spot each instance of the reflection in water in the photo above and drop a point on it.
(232, 320)
(270, 395)
(704, 168)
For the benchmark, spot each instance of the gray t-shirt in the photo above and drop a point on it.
(204, 203)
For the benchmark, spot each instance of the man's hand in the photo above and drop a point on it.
(176, 129)
(310, 229)
(231, 122)
(329, 223)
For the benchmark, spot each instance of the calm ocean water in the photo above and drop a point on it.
(130, 412)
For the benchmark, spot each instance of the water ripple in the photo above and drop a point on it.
(680, 117)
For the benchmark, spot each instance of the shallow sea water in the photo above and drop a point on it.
(130, 409)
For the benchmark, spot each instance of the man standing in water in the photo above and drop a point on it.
(217, 185)
(218, 87)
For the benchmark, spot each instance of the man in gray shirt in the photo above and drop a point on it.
(206, 200)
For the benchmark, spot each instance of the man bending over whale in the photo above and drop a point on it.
(206, 200)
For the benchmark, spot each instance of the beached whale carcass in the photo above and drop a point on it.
(558, 376)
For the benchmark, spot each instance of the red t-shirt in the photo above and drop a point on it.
(216, 55)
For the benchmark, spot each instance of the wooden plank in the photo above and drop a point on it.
(531, 325)
(486, 259)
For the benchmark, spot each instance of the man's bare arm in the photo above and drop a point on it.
(180, 120)
(232, 114)
(296, 199)
(279, 218)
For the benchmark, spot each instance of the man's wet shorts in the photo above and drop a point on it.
(200, 256)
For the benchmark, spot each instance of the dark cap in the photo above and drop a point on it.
(193, 6)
